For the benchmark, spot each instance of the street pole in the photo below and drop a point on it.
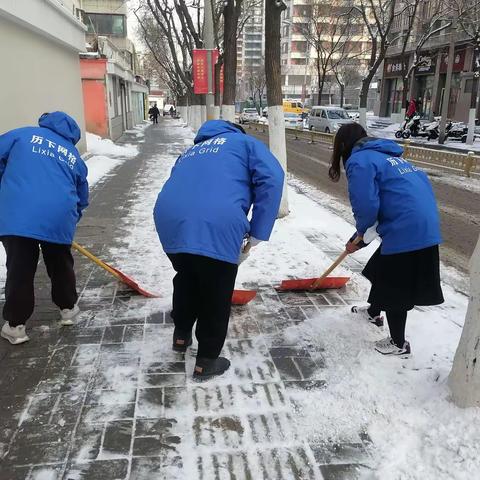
(209, 42)
(448, 84)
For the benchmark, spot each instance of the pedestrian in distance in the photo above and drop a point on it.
(43, 191)
(394, 199)
(201, 219)
(172, 111)
(154, 112)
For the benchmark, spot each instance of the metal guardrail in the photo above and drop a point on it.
(454, 162)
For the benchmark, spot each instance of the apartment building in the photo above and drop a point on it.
(250, 49)
(298, 57)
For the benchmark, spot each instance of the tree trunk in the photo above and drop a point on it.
(218, 93)
(364, 98)
(342, 94)
(276, 122)
(464, 379)
(230, 15)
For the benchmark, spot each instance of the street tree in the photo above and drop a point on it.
(464, 379)
(468, 23)
(378, 17)
(347, 74)
(276, 121)
(329, 30)
(257, 83)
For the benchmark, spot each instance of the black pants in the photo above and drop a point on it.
(202, 292)
(22, 261)
(397, 320)
(155, 119)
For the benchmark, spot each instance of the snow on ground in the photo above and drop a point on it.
(106, 155)
(403, 405)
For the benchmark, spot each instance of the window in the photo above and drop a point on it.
(468, 86)
(324, 115)
(106, 24)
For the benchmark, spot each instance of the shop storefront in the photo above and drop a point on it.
(393, 86)
(425, 83)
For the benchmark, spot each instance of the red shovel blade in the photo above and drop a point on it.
(132, 283)
(242, 297)
(306, 283)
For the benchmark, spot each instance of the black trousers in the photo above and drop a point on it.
(155, 119)
(202, 292)
(22, 260)
(397, 321)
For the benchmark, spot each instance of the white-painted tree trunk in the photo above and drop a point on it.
(196, 117)
(188, 115)
(203, 114)
(464, 379)
(228, 113)
(278, 146)
(363, 117)
(216, 112)
(471, 126)
(182, 113)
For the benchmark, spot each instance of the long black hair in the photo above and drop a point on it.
(345, 139)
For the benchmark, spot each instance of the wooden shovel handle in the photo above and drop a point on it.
(334, 265)
(94, 259)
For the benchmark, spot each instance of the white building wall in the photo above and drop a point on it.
(39, 47)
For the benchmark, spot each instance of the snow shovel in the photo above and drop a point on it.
(239, 297)
(322, 283)
(116, 273)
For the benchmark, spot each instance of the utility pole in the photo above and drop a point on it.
(209, 43)
(448, 84)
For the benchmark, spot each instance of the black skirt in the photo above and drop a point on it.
(404, 280)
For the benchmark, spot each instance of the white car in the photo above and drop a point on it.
(293, 120)
(327, 119)
(249, 115)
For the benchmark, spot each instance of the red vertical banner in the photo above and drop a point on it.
(200, 75)
(221, 79)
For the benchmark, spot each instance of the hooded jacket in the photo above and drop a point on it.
(43, 180)
(385, 188)
(203, 207)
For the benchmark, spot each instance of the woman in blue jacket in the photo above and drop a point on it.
(201, 216)
(394, 199)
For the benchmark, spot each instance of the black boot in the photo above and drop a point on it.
(181, 341)
(210, 367)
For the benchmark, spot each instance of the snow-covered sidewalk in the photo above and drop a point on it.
(401, 406)
(306, 397)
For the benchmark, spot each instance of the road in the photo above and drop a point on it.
(459, 207)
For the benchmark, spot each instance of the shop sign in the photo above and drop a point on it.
(425, 64)
(393, 67)
(458, 61)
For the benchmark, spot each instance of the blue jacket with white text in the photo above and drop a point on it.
(202, 208)
(43, 180)
(387, 189)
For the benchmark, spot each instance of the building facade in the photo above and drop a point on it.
(430, 64)
(115, 95)
(250, 50)
(298, 57)
(39, 45)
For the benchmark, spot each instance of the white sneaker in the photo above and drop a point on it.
(15, 335)
(363, 313)
(387, 347)
(67, 316)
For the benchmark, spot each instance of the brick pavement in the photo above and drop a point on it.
(107, 399)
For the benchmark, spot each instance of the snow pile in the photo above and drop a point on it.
(106, 155)
(103, 146)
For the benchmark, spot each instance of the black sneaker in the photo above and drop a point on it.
(181, 341)
(210, 367)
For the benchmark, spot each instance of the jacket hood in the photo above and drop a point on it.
(389, 147)
(62, 124)
(212, 128)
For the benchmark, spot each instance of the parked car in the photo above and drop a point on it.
(249, 115)
(293, 120)
(327, 119)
